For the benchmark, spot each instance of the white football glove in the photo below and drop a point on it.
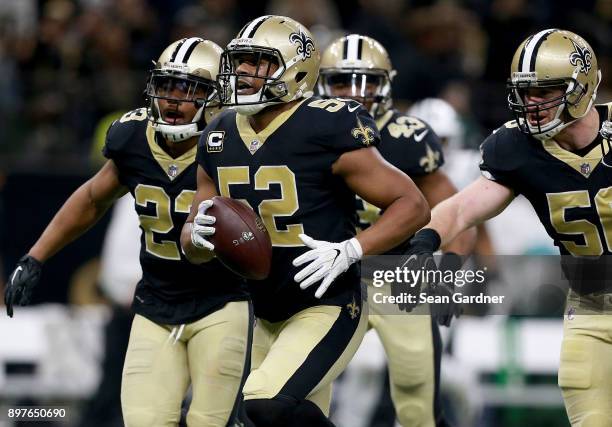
(329, 260)
(201, 227)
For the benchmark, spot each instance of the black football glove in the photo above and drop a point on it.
(444, 313)
(419, 256)
(21, 283)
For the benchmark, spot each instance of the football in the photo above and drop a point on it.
(241, 240)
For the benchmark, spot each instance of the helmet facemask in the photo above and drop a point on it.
(552, 58)
(370, 87)
(359, 67)
(176, 88)
(517, 91)
(232, 81)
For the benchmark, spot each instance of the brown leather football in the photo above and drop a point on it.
(241, 240)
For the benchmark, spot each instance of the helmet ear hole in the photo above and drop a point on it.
(300, 76)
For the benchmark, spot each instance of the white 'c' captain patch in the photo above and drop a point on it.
(214, 141)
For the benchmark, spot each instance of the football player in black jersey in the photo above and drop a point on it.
(359, 68)
(193, 323)
(552, 154)
(299, 160)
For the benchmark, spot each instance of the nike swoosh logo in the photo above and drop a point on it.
(354, 108)
(336, 255)
(419, 137)
(17, 270)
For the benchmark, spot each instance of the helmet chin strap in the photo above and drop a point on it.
(249, 105)
(550, 129)
(557, 124)
(554, 131)
(179, 133)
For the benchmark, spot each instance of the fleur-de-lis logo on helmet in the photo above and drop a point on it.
(364, 134)
(581, 56)
(305, 45)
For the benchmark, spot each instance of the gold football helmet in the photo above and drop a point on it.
(280, 41)
(553, 59)
(188, 67)
(361, 64)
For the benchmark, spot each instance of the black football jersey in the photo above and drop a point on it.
(570, 192)
(410, 145)
(285, 174)
(172, 290)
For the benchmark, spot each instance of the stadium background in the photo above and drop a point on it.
(69, 67)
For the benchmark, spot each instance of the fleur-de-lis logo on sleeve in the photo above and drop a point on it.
(429, 162)
(581, 56)
(364, 134)
(305, 45)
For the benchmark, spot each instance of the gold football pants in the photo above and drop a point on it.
(301, 356)
(162, 359)
(408, 343)
(585, 371)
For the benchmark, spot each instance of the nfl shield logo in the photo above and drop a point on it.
(173, 171)
(585, 169)
(254, 146)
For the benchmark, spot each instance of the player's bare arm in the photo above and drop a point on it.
(205, 192)
(436, 187)
(481, 200)
(81, 211)
(378, 182)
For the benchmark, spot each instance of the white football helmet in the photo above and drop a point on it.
(442, 118)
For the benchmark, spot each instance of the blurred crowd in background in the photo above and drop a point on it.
(66, 65)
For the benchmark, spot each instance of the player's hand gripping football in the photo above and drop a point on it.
(22, 282)
(202, 227)
(327, 261)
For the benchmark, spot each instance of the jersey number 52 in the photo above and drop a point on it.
(269, 209)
